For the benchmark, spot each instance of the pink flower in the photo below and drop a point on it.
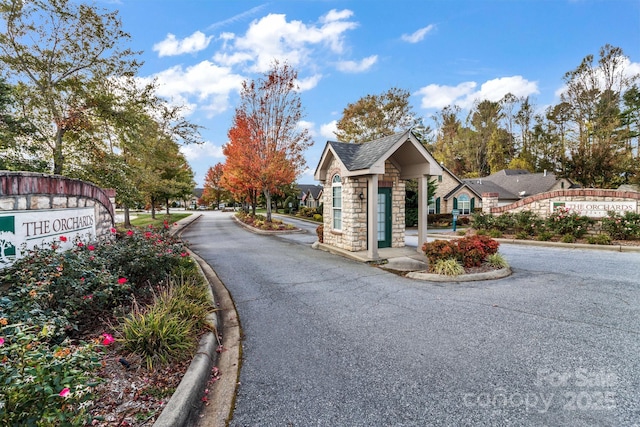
(113, 230)
(91, 247)
(184, 254)
(122, 281)
(107, 339)
(65, 392)
(129, 233)
(63, 239)
(80, 244)
(1, 341)
(90, 296)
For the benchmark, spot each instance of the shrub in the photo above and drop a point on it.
(411, 217)
(495, 233)
(481, 221)
(45, 384)
(599, 239)
(622, 227)
(440, 250)
(568, 238)
(320, 233)
(474, 249)
(505, 222)
(563, 221)
(522, 235)
(497, 261)
(544, 236)
(317, 217)
(527, 221)
(447, 267)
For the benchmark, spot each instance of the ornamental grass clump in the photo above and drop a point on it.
(447, 267)
(157, 334)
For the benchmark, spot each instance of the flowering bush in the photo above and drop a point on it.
(44, 383)
(260, 221)
(623, 227)
(471, 251)
(563, 221)
(475, 249)
(52, 300)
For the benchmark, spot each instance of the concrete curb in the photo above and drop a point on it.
(613, 248)
(489, 275)
(185, 408)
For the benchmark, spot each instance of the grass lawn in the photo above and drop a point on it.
(143, 220)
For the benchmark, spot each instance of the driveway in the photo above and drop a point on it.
(332, 342)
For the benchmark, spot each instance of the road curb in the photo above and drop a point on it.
(488, 275)
(185, 408)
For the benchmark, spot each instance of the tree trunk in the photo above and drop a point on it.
(267, 195)
(153, 208)
(168, 207)
(127, 216)
(58, 158)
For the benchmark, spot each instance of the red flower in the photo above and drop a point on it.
(63, 239)
(107, 339)
(129, 233)
(1, 341)
(147, 234)
(184, 254)
(65, 392)
(91, 247)
(113, 230)
(80, 244)
(122, 281)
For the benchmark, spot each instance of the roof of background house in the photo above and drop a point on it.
(315, 190)
(198, 192)
(522, 183)
(510, 184)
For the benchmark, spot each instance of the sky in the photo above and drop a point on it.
(441, 51)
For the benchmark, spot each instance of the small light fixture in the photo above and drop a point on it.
(361, 195)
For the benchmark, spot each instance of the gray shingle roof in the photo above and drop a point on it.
(523, 183)
(363, 156)
(314, 190)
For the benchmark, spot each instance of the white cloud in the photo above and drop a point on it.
(328, 130)
(309, 126)
(464, 94)
(309, 83)
(418, 35)
(357, 67)
(171, 46)
(273, 37)
(201, 151)
(437, 96)
(208, 83)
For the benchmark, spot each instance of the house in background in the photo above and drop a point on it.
(511, 185)
(310, 196)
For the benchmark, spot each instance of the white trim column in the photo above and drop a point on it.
(423, 209)
(372, 217)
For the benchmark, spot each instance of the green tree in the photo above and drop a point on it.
(376, 116)
(593, 90)
(56, 51)
(14, 129)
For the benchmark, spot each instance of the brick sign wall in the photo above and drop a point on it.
(585, 201)
(38, 209)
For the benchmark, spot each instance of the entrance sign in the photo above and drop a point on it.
(31, 228)
(596, 209)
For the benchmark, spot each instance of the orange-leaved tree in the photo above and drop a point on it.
(240, 173)
(213, 189)
(272, 109)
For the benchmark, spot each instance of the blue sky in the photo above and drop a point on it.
(441, 51)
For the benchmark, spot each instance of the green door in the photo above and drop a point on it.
(384, 217)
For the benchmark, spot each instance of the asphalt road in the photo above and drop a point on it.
(332, 342)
